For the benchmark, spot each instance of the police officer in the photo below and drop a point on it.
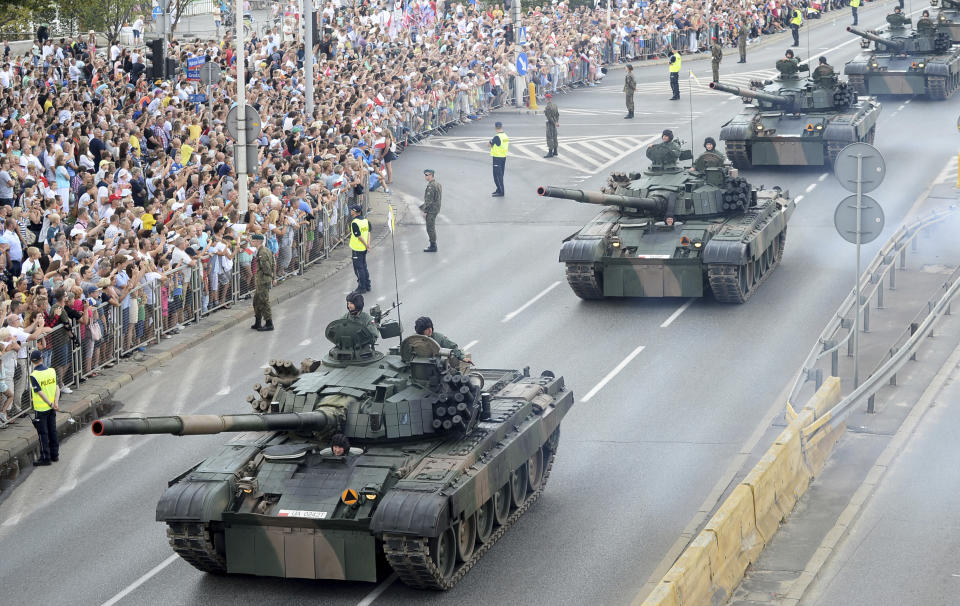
(552, 114)
(46, 403)
(796, 20)
(499, 146)
(629, 87)
(431, 207)
(709, 158)
(742, 34)
(854, 5)
(424, 326)
(264, 281)
(359, 245)
(675, 62)
(716, 53)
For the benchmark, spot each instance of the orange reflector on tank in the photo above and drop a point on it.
(809, 127)
(684, 241)
(350, 497)
(914, 65)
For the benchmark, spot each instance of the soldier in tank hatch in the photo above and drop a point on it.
(424, 326)
(709, 158)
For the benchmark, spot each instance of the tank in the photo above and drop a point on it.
(948, 19)
(796, 121)
(674, 232)
(906, 61)
(443, 458)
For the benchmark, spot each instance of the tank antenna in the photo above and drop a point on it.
(392, 224)
(690, 82)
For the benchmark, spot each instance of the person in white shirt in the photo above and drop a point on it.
(8, 367)
(137, 30)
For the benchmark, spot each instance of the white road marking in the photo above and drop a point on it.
(133, 586)
(612, 374)
(412, 280)
(636, 147)
(306, 342)
(381, 298)
(224, 391)
(902, 105)
(470, 344)
(677, 313)
(810, 188)
(519, 310)
(822, 177)
(797, 199)
(445, 219)
(908, 100)
(373, 595)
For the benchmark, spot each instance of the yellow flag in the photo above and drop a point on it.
(694, 78)
(391, 219)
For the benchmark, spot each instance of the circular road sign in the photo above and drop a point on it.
(873, 168)
(253, 129)
(209, 73)
(871, 219)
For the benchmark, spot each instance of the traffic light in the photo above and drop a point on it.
(155, 59)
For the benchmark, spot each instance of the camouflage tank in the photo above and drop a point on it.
(442, 459)
(794, 121)
(948, 19)
(673, 232)
(906, 62)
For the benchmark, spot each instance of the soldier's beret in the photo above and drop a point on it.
(428, 171)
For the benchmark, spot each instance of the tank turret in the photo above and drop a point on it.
(890, 44)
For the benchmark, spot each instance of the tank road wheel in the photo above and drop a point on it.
(466, 532)
(485, 519)
(586, 280)
(199, 544)
(443, 552)
(501, 504)
(739, 154)
(519, 485)
(535, 470)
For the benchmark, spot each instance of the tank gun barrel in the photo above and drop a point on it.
(891, 44)
(749, 93)
(186, 425)
(595, 197)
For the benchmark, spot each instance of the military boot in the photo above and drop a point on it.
(431, 248)
(267, 326)
(256, 323)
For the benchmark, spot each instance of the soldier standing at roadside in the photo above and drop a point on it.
(742, 41)
(552, 114)
(717, 52)
(265, 278)
(431, 207)
(629, 87)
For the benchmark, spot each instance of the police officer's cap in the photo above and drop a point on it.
(428, 171)
(355, 208)
(36, 356)
(667, 133)
(422, 324)
(357, 300)
(709, 141)
(498, 125)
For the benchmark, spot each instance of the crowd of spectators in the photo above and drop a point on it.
(119, 197)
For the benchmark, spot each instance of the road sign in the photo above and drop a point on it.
(193, 67)
(872, 170)
(871, 219)
(522, 64)
(253, 157)
(157, 12)
(253, 129)
(198, 98)
(521, 35)
(210, 73)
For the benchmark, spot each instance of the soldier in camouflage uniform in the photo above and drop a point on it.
(265, 278)
(742, 41)
(709, 158)
(424, 326)
(431, 207)
(717, 53)
(629, 87)
(552, 114)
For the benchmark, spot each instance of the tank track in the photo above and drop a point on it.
(737, 152)
(725, 279)
(940, 88)
(585, 280)
(858, 83)
(193, 541)
(833, 150)
(410, 556)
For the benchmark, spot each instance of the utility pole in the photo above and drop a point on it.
(519, 82)
(240, 151)
(308, 59)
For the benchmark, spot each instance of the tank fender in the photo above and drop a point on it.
(840, 132)
(937, 69)
(855, 67)
(583, 250)
(195, 500)
(408, 512)
(729, 252)
(736, 131)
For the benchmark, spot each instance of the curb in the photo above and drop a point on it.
(19, 445)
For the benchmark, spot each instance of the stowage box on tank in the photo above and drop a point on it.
(673, 232)
(442, 460)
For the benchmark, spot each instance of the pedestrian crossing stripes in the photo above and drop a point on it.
(700, 82)
(587, 154)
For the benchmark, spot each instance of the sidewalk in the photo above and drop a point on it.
(19, 446)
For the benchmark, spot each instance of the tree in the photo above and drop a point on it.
(106, 16)
(18, 16)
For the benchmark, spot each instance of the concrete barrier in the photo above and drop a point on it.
(712, 566)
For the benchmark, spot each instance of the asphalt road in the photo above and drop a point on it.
(637, 460)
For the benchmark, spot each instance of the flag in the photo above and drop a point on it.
(391, 220)
(694, 78)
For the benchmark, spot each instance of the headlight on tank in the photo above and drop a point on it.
(819, 127)
(759, 127)
(698, 243)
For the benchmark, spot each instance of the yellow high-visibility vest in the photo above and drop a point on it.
(363, 226)
(797, 18)
(677, 60)
(855, 3)
(500, 151)
(47, 378)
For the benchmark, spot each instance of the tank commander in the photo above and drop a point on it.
(424, 326)
(355, 311)
(709, 158)
(339, 445)
(924, 23)
(896, 19)
(667, 152)
(790, 64)
(823, 73)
